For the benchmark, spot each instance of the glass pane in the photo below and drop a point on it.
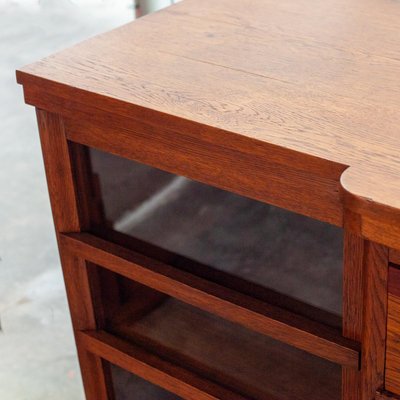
(268, 246)
(244, 361)
(130, 387)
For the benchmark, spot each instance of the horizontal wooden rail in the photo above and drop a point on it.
(220, 277)
(280, 324)
(152, 368)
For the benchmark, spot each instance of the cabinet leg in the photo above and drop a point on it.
(364, 314)
(69, 217)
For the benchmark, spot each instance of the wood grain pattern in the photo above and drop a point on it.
(352, 307)
(251, 364)
(152, 368)
(220, 277)
(376, 206)
(280, 324)
(261, 176)
(375, 285)
(76, 275)
(365, 312)
(262, 77)
(392, 376)
(292, 102)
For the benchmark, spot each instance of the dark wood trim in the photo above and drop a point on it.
(220, 277)
(91, 208)
(352, 307)
(375, 281)
(152, 368)
(270, 320)
(257, 176)
(189, 363)
(255, 381)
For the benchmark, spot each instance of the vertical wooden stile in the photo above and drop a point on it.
(376, 268)
(352, 307)
(69, 217)
(364, 314)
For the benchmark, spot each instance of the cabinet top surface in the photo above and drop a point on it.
(319, 78)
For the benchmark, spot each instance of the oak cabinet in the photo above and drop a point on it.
(270, 270)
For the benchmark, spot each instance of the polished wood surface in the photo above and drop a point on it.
(261, 175)
(264, 318)
(254, 365)
(373, 338)
(314, 85)
(227, 279)
(153, 368)
(392, 377)
(354, 247)
(293, 103)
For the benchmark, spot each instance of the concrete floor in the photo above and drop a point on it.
(37, 352)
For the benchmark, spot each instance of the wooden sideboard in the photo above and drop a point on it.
(292, 104)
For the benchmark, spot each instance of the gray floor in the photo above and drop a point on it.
(37, 352)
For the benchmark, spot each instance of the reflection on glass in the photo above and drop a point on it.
(276, 249)
(231, 355)
(130, 387)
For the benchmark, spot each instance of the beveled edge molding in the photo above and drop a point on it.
(371, 202)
